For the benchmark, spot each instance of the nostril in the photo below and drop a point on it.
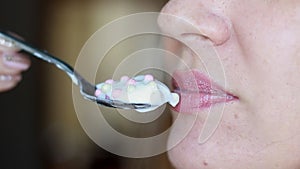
(179, 19)
(212, 26)
(206, 25)
(220, 30)
(190, 36)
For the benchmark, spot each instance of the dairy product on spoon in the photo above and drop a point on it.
(139, 89)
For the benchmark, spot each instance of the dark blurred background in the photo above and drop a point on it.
(39, 127)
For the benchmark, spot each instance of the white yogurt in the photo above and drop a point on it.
(140, 89)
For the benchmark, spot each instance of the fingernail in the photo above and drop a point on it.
(6, 43)
(14, 61)
(10, 78)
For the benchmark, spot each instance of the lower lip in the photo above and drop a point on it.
(195, 102)
(197, 97)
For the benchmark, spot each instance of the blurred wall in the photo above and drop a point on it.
(66, 26)
(19, 108)
(39, 127)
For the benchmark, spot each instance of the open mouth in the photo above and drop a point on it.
(197, 91)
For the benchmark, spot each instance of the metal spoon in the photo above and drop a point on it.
(87, 89)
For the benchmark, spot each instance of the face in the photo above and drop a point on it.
(257, 42)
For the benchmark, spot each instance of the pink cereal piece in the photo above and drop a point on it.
(109, 81)
(148, 78)
(131, 82)
(116, 93)
(124, 78)
(98, 92)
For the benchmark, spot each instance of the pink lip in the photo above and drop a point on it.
(197, 91)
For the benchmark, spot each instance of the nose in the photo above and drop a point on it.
(190, 17)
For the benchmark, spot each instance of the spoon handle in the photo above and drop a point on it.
(40, 54)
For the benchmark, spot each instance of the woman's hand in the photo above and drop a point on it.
(12, 64)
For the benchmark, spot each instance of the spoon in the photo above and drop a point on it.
(86, 88)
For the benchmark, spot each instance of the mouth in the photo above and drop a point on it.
(198, 92)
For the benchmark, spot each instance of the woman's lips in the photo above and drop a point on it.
(197, 91)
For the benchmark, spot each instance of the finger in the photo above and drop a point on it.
(8, 82)
(8, 46)
(13, 63)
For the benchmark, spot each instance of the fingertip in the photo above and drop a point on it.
(6, 86)
(8, 82)
(7, 45)
(16, 62)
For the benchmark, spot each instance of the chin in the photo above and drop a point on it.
(229, 149)
(230, 146)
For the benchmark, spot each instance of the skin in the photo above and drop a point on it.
(258, 44)
(12, 64)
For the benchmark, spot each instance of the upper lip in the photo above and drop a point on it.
(197, 91)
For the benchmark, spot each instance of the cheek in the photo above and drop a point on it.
(274, 71)
(270, 60)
